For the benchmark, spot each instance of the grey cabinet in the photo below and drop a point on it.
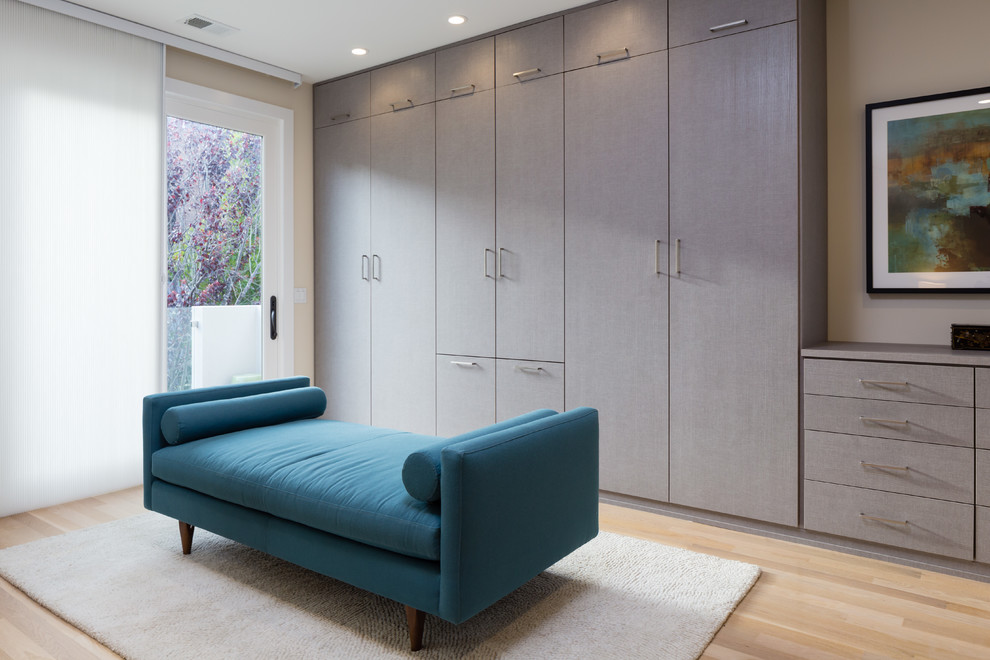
(616, 265)
(466, 69)
(465, 393)
(734, 292)
(529, 201)
(529, 53)
(343, 100)
(694, 20)
(614, 31)
(403, 270)
(522, 386)
(403, 85)
(342, 245)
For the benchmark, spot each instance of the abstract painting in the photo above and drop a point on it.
(928, 187)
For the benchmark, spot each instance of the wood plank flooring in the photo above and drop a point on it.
(809, 603)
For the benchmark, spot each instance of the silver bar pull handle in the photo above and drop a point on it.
(498, 264)
(487, 252)
(528, 72)
(460, 363)
(878, 466)
(376, 267)
(345, 115)
(883, 383)
(365, 264)
(402, 105)
(462, 91)
(677, 256)
(613, 55)
(875, 420)
(530, 370)
(884, 520)
(729, 26)
(656, 257)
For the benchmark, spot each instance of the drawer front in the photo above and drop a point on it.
(342, 100)
(905, 521)
(915, 383)
(522, 386)
(910, 468)
(983, 477)
(982, 388)
(616, 30)
(535, 51)
(465, 394)
(403, 85)
(983, 534)
(943, 425)
(697, 20)
(466, 69)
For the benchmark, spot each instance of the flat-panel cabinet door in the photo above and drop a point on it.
(531, 52)
(522, 386)
(529, 232)
(697, 20)
(403, 85)
(342, 100)
(466, 69)
(616, 265)
(403, 270)
(465, 394)
(614, 31)
(342, 291)
(466, 252)
(734, 303)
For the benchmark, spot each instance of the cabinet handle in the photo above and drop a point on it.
(884, 520)
(884, 467)
(498, 264)
(405, 105)
(376, 267)
(486, 261)
(530, 370)
(527, 72)
(345, 115)
(876, 420)
(882, 383)
(729, 26)
(464, 364)
(613, 55)
(462, 91)
(365, 264)
(656, 256)
(677, 256)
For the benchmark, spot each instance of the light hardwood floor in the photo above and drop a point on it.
(809, 603)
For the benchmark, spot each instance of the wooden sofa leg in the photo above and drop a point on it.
(186, 534)
(415, 618)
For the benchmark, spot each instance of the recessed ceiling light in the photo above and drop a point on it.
(359, 51)
(456, 20)
(984, 102)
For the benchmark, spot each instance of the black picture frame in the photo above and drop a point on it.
(927, 218)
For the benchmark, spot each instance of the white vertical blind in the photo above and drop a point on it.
(80, 254)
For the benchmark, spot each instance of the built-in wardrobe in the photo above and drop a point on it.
(621, 207)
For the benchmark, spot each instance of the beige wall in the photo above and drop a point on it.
(880, 50)
(198, 70)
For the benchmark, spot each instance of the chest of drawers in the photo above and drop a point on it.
(897, 447)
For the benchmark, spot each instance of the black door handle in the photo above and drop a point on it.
(273, 320)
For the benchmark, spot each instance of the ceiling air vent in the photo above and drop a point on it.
(207, 24)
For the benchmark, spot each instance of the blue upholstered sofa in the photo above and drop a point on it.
(443, 526)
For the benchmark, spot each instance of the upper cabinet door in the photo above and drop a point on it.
(614, 31)
(692, 21)
(342, 100)
(535, 51)
(403, 85)
(466, 69)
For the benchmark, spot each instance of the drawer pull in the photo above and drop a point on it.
(905, 523)
(878, 466)
(402, 105)
(462, 91)
(527, 72)
(729, 26)
(884, 383)
(874, 420)
(613, 55)
(464, 364)
(530, 370)
(346, 115)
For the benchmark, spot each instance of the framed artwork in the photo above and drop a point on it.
(928, 194)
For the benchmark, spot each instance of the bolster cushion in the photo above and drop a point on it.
(421, 471)
(201, 420)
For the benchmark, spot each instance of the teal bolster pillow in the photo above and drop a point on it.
(421, 471)
(201, 420)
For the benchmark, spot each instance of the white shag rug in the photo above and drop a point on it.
(127, 584)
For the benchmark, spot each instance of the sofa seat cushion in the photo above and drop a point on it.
(341, 478)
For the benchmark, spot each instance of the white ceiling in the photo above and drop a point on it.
(315, 38)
